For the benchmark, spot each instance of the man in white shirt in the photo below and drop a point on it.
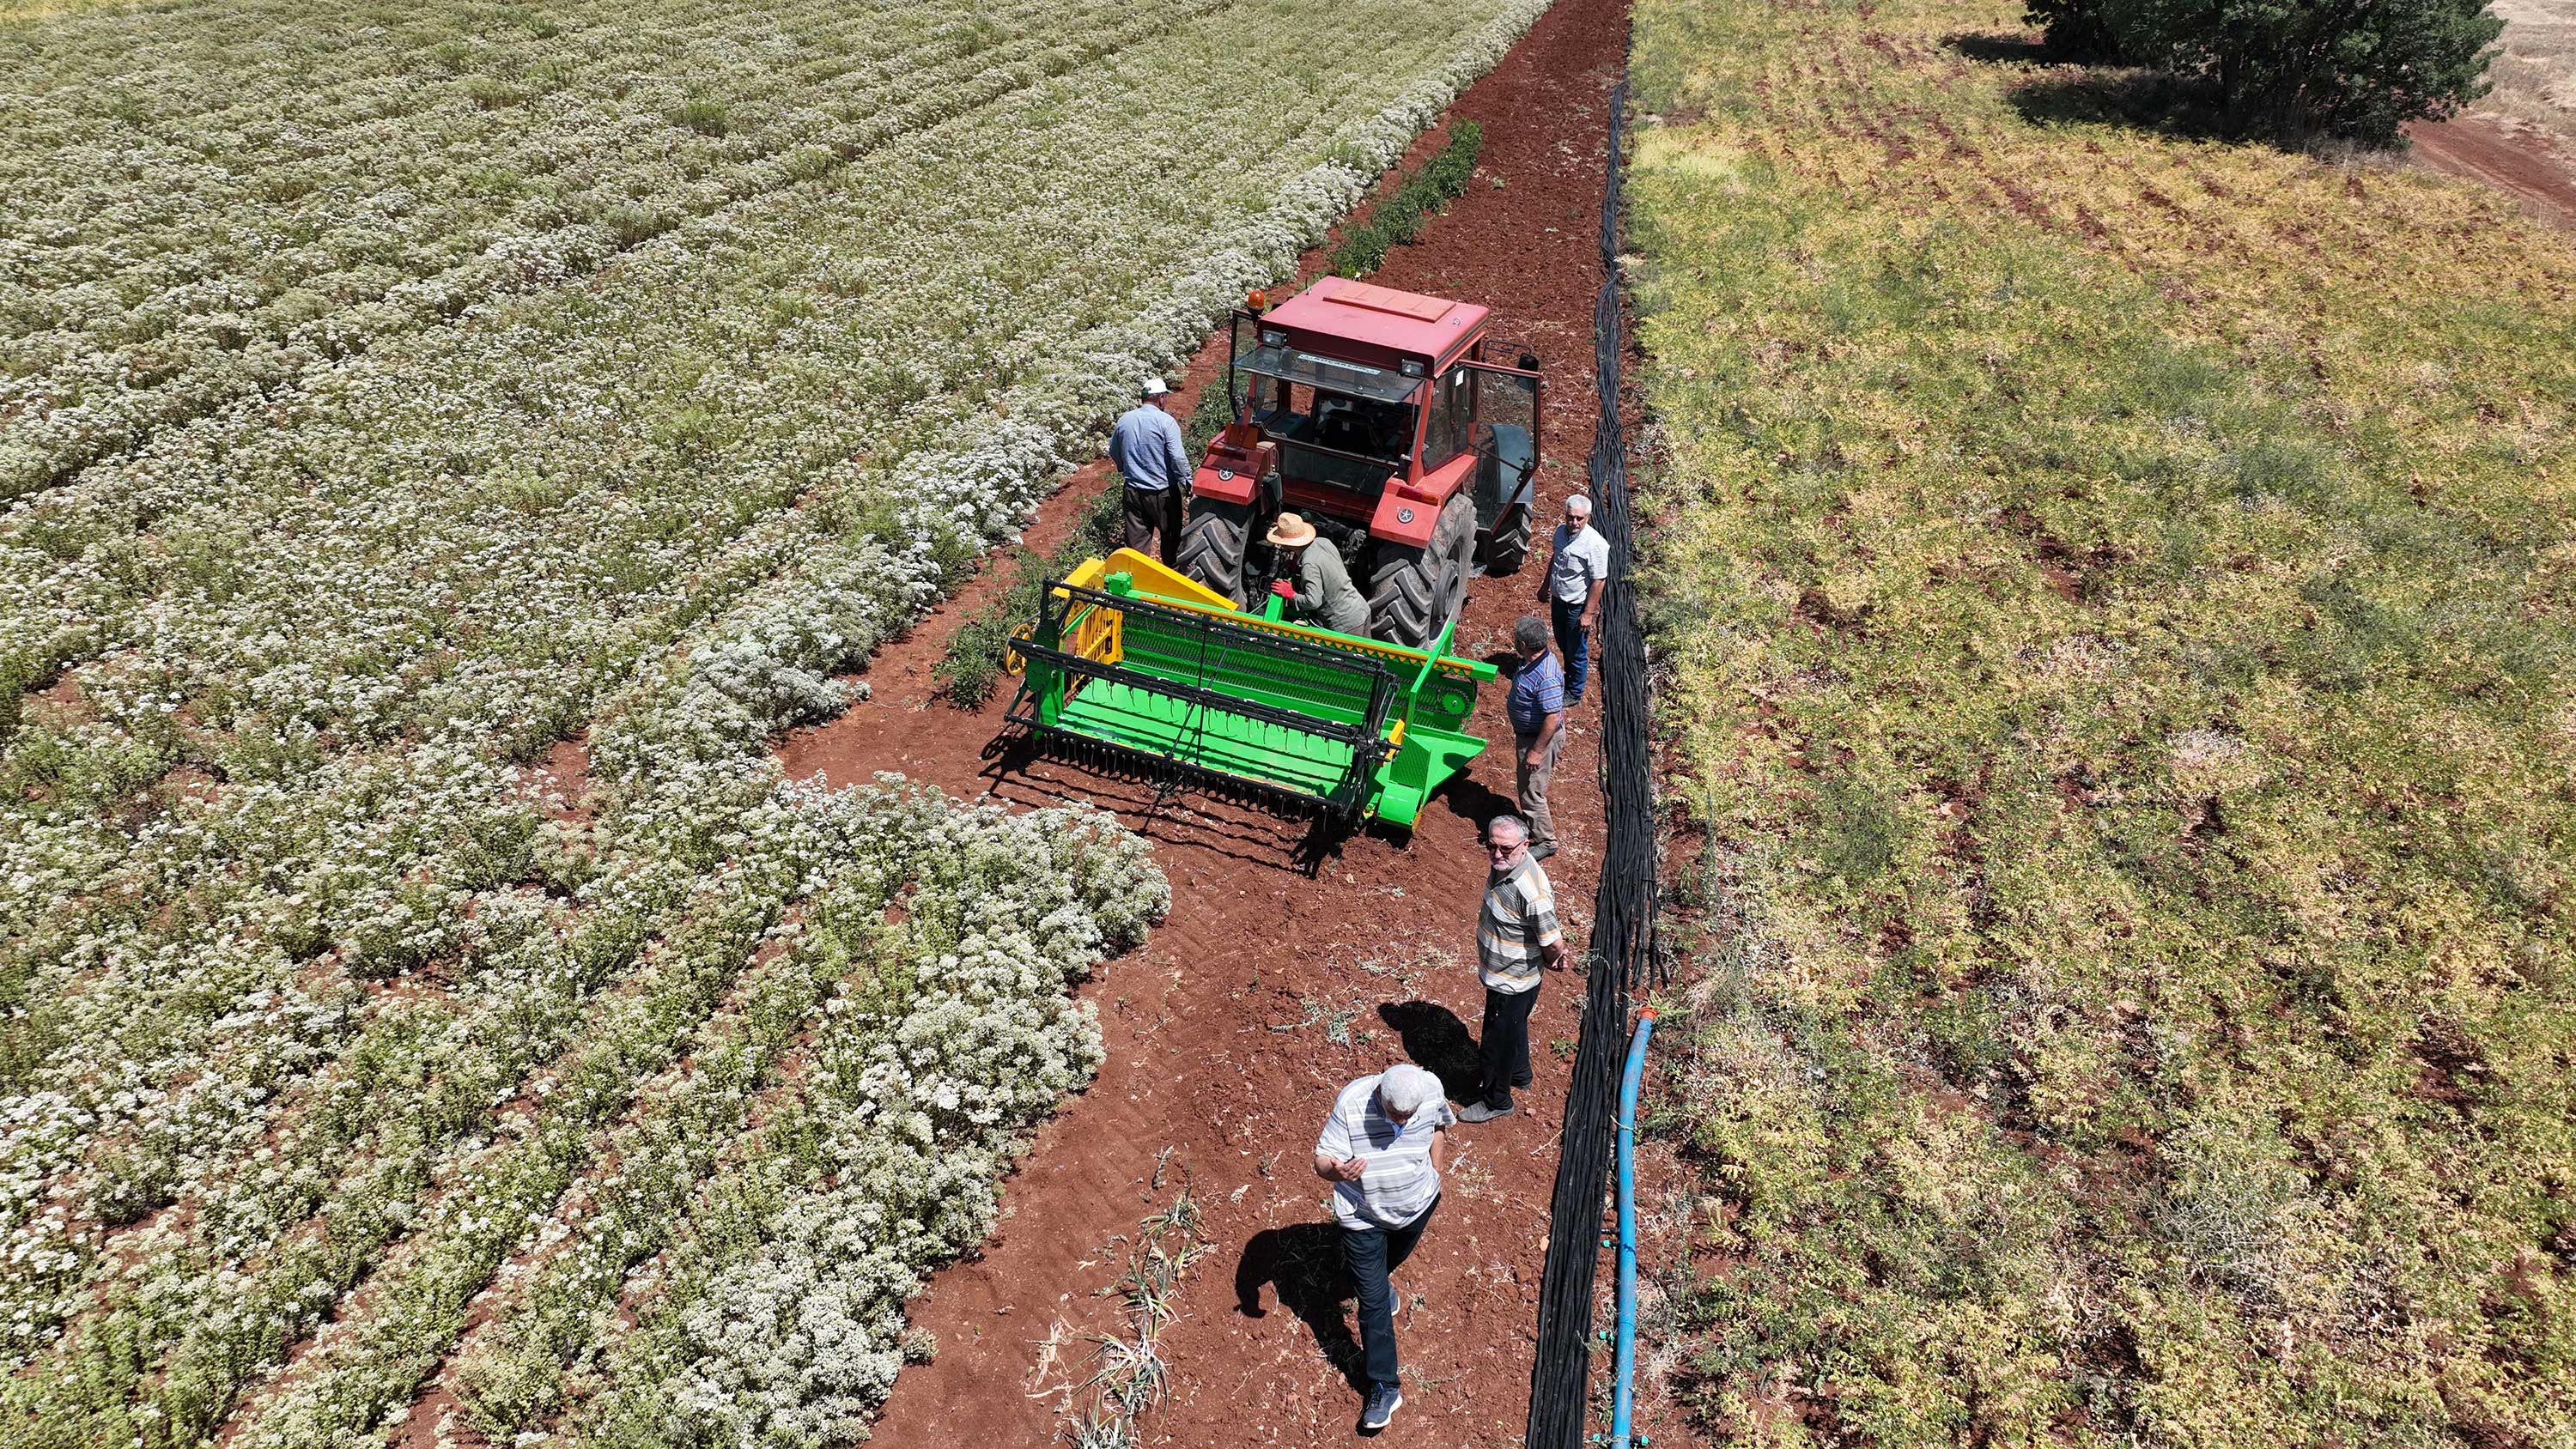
(1572, 588)
(1383, 1149)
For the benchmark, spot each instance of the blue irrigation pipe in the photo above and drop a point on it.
(1621, 1394)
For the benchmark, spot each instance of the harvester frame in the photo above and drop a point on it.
(1136, 661)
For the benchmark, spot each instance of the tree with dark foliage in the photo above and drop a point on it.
(2293, 69)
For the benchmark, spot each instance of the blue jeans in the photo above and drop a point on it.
(1371, 1254)
(1573, 645)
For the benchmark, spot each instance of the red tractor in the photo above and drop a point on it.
(1386, 420)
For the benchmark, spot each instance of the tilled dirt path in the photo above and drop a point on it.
(1269, 987)
(2520, 162)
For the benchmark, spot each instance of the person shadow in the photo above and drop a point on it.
(1303, 1265)
(1439, 1043)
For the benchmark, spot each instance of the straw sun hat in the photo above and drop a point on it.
(1291, 532)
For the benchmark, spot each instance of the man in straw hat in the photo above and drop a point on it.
(1145, 447)
(1382, 1149)
(1313, 580)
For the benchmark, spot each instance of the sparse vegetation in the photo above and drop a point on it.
(972, 665)
(1129, 1375)
(2118, 603)
(1400, 217)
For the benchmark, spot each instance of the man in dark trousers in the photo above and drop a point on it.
(1145, 447)
(1577, 568)
(1382, 1149)
(1536, 707)
(1516, 938)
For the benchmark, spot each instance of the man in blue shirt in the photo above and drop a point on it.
(1537, 708)
(1145, 448)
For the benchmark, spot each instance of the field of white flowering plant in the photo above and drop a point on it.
(394, 392)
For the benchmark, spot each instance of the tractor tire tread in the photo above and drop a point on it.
(1404, 595)
(1213, 542)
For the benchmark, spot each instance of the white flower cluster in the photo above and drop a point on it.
(176, 236)
(290, 942)
(962, 1034)
(946, 1035)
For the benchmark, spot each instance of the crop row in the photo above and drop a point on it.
(267, 860)
(160, 275)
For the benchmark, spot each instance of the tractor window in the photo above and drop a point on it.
(1314, 370)
(1453, 417)
(1363, 425)
(1503, 399)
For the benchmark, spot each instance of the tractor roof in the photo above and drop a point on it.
(1430, 328)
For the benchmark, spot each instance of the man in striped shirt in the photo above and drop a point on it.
(1516, 938)
(1382, 1149)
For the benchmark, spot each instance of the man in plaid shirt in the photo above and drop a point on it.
(1516, 938)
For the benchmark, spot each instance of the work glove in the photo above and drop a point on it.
(1285, 590)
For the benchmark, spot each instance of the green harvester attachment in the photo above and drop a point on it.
(1140, 660)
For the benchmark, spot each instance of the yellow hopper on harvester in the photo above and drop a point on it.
(1133, 658)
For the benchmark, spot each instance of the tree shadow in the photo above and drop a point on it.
(1439, 1043)
(2060, 88)
(1303, 1263)
(2001, 47)
(2142, 100)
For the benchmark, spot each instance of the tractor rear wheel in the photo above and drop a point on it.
(1508, 548)
(1416, 592)
(1212, 545)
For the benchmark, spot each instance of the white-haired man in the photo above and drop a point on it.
(1145, 447)
(1382, 1149)
(1571, 587)
(1517, 937)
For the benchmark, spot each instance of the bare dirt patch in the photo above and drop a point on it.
(2521, 136)
(2515, 158)
(1275, 981)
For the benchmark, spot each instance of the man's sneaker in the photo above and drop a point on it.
(1479, 1112)
(1383, 1401)
(1543, 850)
(1518, 1082)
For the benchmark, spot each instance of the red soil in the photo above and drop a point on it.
(2521, 163)
(1222, 1058)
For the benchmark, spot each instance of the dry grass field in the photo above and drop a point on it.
(2535, 76)
(2115, 594)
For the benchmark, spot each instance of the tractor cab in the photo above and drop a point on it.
(1390, 421)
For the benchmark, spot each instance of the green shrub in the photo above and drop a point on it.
(2296, 68)
(1399, 219)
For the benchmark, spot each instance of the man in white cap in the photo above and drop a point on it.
(1383, 1149)
(1145, 448)
(1313, 580)
(1572, 588)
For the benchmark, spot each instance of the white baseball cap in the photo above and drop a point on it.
(1154, 387)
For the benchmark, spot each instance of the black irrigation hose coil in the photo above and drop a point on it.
(1623, 955)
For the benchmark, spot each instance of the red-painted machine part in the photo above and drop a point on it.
(1364, 322)
(1235, 465)
(1407, 511)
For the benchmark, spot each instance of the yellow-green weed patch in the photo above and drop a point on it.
(2116, 596)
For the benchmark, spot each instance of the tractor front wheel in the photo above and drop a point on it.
(1213, 542)
(1418, 591)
